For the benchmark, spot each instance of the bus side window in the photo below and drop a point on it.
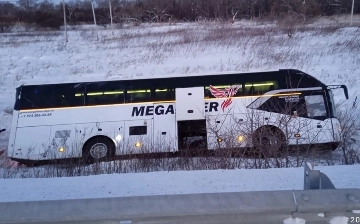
(68, 95)
(104, 93)
(258, 88)
(137, 94)
(34, 97)
(275, 105)
(251, 90)
(164, 94)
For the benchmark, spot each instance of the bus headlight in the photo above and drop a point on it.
(241, 138)
(219, 139)
(61, 149)
(138, 144)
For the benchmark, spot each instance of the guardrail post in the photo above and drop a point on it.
(314, 179)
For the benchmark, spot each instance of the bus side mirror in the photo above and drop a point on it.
(345, 91)
(340, 86)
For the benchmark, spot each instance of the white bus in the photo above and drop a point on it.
(268, 111)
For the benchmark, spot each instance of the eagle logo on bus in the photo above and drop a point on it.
(228, 92)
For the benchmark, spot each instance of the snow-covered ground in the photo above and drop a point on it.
(328, 49)
(165, 183)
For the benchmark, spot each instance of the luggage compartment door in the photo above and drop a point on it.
(190, 104)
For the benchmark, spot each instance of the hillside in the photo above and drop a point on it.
(326, 48)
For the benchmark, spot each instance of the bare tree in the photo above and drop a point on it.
(28, 5)
(157, 12)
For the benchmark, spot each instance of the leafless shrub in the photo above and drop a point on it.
(350, 131)
(6, 26)
(289, 23)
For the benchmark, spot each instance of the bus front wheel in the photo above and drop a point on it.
(269, 141)
(98, 149)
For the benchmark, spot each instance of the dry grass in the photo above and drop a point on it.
(141, 165)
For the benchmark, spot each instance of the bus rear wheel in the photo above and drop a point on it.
(269, 141)
(98, 149)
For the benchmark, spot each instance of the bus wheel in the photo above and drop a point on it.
(269, 141)
(98, 149)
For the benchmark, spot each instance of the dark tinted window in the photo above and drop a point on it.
(285, 105)
(137, 93)
(105, 93)
(259, 88)
(238, 89)
(138, 130)
(215, 87)
(36, 97)
(298, 79)
(68, 95)
(163, 94)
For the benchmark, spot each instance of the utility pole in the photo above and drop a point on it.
(92, 6)
(111, 19)
(66, 39)
(352, 12)
(93, 11)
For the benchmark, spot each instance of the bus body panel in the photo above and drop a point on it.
(65, 142)
(12, 138)
(35, 142)
(84, 132)
(138, 143)
(81, 115)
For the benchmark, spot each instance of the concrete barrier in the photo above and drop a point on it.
(243, 207)
(318, 203)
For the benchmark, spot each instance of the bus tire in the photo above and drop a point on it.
(98, 149)
(269, 141)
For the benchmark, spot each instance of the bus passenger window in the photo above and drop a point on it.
(36, 97)
(138, 95)
(251, 90)
(68, 95)
(164, 94)
(258, 88)
(104, 93)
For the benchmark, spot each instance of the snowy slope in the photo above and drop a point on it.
(330, 54)
(327, 49)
